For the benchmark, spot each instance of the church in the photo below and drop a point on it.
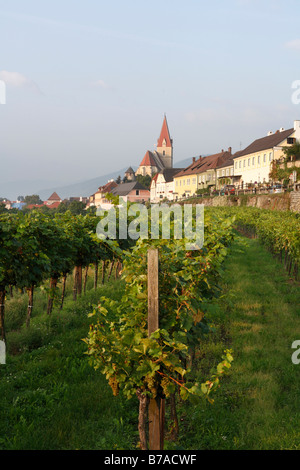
(161, 158)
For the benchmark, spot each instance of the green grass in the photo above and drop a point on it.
(258, 405)
(51, 399)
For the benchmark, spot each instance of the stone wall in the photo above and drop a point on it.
(281, 201)
(295, 201)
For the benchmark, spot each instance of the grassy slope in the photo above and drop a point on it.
(258, 406)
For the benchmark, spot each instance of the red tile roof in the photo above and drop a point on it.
(107, 188)
(203, 164)
(54, 205)
(54, 197)
(34, 206)
(148, 160)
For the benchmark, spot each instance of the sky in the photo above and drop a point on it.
(88, 82)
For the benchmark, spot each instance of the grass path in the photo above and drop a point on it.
(259, 404)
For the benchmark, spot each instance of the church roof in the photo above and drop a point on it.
(148, 159)
(164, 135)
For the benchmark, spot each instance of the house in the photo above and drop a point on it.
(132, 192)
(225, 174)
(162, 185)
(98, 199)
(18, 205)
(36, 206)
(254, 163)
(79, 199)
(161, 158)
(200, 174)
(54, 205)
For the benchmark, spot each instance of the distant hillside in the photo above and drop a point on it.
(84, 188)
(12, 190)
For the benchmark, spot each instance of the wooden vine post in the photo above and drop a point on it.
(156, 408)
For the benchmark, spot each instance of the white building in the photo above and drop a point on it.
(162, 185)
(254, 163)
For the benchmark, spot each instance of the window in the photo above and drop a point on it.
(291, 140)
(253, 160)
(240, 164)
(244, 163)
(270, 156)
(258, 159)
(249, 161)
(176, 182)
(227, 172)
(265, 158)
(194, 180)
(137, 192)
(188, 181)
(236, 165)
(183, 182)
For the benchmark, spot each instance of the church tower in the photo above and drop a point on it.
(165, 145)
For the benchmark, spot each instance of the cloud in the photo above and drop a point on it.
(17, 80)
(295, 44)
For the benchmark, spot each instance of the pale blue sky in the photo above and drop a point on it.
(88, 82)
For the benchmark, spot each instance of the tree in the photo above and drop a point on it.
(75, 207)
(144, 180)
(281, 173)
(9, 250)
(33, 199)
(292, 153)
(3, 208)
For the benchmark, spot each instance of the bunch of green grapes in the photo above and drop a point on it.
(165, 385)
(152, 385)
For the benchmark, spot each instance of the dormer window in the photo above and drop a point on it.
(164, 143)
